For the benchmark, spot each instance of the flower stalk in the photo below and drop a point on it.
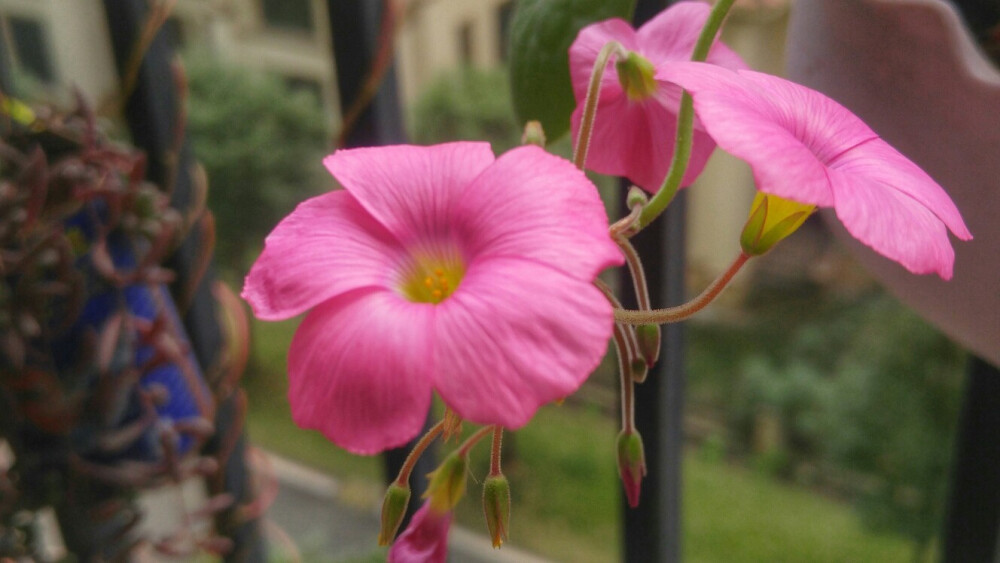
(403, 479)
(590, 103)
(682, 312)
(685, 122)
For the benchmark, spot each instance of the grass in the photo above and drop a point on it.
(565, 497)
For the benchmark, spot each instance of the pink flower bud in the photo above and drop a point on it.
(425, 540)
(631, 464)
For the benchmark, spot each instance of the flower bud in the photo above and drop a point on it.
(637, 76)
(635, 197)
(452, 428)
(533, 134)
(496, 506)
(631, 464)
(447, 482)
(648, 337)
(639, 370)
(772, 219)
(397, 498)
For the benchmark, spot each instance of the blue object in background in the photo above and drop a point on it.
(187, 393)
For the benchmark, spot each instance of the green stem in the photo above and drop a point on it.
(685, 122)
(631, 341)
(681, 312)
(590, 103)
(635, 268)
(411, 460)
(474, 439)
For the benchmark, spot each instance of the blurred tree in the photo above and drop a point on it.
(864, 387)
(261, 143)
(466, 104)
(891, 413)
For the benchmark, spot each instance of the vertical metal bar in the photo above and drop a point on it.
(151, 111)
(972, 525)
(355, 25)
(6, 81)
(652, 531)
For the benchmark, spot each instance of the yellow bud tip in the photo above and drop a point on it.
(533, 134)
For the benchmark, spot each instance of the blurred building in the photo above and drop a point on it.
(66, 42)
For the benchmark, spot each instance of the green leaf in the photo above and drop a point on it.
(541, 33)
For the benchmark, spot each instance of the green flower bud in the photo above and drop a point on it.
(637, 76)
(496, 507)
(636, 197)
(648, 337)
(639, 370)
(771, 220)
(447, 483)
(533, 134)
(397, 498)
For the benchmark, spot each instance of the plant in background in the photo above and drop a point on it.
(890, 413)
(103, 396)
(259, 167)
(469, 104)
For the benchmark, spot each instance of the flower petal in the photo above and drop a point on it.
(425, 539)
(671, 36)
(514, 336)
(583, 54)
(327, 246)
(410, 189)
(535, 206)
(750, 124)
(637, 139)
(359, 370)
(883, 164)
(893, 224)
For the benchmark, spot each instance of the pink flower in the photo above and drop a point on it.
(633, 133)
(425, 540)
(805, 147)
(437, 268)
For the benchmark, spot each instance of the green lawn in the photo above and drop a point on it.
(565, 489)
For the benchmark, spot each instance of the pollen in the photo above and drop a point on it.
(431, 279)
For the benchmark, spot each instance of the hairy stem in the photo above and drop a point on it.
(411, 460)
(590, 103)
(681, 312)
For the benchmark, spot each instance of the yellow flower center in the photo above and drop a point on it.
(432, 279)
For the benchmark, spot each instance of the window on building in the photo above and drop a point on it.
(31, 51)
(465, 42)
(293, 15)
(504, 14)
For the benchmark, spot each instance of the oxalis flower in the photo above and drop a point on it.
(437, 268)
(805, 147)
(636, 122)
(425, 540)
